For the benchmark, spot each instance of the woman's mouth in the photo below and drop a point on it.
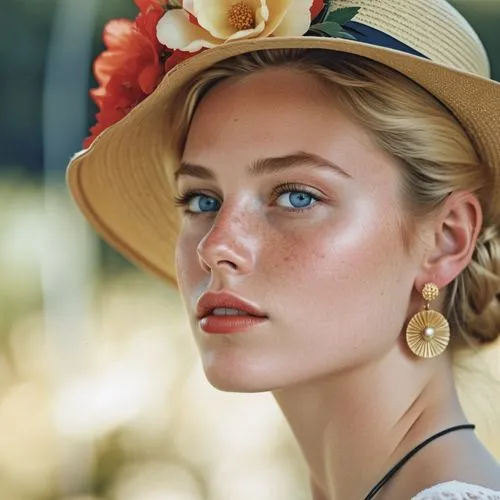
(224, 313)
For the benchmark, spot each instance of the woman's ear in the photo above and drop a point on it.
(454, 233)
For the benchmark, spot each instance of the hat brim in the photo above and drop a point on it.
(120, 183)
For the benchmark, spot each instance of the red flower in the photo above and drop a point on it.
(130, 68)
(316, 8)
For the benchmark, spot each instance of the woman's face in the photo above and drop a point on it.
(292, 208)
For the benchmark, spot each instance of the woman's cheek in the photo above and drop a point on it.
(186, 258)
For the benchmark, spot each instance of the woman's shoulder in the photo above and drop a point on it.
(456, 490)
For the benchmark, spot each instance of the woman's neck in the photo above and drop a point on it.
(353, 427)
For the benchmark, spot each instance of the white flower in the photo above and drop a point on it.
(221, 21)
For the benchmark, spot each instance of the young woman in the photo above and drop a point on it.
(336, 171)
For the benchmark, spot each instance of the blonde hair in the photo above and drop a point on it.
(435, 154)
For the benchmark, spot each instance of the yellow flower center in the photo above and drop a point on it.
(241, 16)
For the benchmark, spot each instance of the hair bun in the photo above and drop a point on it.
(481, 280)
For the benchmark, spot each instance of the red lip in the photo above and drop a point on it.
(229, 324)
(212, 300)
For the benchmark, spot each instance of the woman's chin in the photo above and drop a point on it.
(231, 375)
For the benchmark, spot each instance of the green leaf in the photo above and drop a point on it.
(343, 15)
(329, 29)
(324, 11)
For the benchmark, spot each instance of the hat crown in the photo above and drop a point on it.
(432, 27)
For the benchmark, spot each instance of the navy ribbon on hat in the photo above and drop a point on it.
(373, 36)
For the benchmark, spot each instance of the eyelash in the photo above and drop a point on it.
(183, 200)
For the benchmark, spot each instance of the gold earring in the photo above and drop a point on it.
(428, 332)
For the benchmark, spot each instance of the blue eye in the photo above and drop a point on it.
(203, 203)
(296, 199)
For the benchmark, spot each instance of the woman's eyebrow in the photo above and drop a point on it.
(299, 159)
(266, 166)
(192, 170)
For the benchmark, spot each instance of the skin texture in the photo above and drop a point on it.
(335, 281)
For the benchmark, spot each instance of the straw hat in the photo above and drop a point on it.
(119, 183)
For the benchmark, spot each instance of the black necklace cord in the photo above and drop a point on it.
(407, 457)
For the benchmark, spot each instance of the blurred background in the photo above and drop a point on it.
(101, 393)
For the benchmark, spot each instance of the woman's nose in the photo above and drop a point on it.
(230, 245)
